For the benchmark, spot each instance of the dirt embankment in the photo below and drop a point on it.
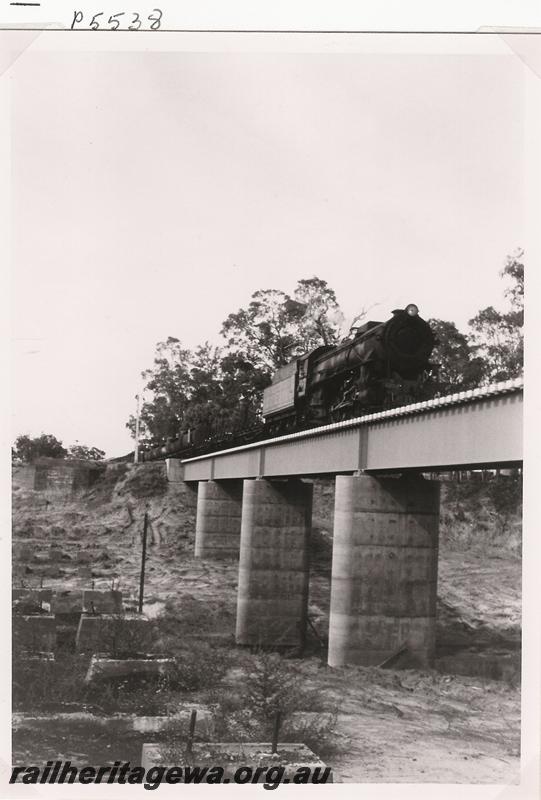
(95, 536)
(391, 725)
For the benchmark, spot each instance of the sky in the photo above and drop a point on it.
(153, 192)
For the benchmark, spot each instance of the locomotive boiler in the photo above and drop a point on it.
(384, 364)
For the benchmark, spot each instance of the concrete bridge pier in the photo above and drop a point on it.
(217, 525)
(384, 570)
(272, 603)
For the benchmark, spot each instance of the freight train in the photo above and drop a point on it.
(381, 365)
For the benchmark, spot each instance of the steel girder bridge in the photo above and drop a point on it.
(481, 428)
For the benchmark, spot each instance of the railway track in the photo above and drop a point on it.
(458, 398)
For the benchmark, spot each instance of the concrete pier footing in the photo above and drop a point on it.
(67, 602)
(217, 526)
(273, 568)
(31, 597)
(107, 668)
(294, 762)
(34, 632)
(100, 601)
(384, 571)
(113, 633)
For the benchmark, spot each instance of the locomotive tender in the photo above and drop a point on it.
(384, 364)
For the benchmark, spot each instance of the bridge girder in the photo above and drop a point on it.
(467, 431)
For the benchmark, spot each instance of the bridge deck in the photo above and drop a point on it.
(480, 428)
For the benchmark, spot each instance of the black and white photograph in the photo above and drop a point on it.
(267, 312)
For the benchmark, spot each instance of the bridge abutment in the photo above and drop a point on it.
(384, 570)
(272, 601)
(174, 470)
(217, 525)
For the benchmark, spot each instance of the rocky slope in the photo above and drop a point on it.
(391, 725)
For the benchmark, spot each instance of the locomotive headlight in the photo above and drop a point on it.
(412, 310)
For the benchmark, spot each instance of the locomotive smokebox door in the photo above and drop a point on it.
(409, 341)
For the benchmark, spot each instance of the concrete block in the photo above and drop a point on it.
(103, 667)
(68, 601)
(113, 633)
(30, 656)
(497, 666)
(250, 755)
(122, 724)
(178, 722)
(38, 595)
(34, 632)
(102, 601)
(30, 600)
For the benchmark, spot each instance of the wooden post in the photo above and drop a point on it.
(191, 732)
(136, 449)
(276, 732)
(143, 563)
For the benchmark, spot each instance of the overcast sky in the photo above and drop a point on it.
(154, 192)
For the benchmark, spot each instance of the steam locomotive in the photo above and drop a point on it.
(381, 365)
(384, 364)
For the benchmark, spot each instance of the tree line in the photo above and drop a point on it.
(27, 448)
(221, 386)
